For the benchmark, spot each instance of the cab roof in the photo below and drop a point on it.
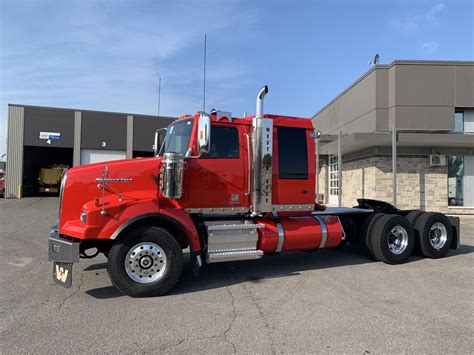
(278, 120)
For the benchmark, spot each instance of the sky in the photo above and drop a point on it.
(108, 54)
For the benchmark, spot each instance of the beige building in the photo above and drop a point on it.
(423, 112)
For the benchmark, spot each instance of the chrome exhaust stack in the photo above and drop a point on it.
(261, 95)
(262, 158)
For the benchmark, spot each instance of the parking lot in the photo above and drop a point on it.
(328, 301)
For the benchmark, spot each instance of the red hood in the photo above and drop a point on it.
(81, 186)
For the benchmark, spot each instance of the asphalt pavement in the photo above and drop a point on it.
(331, 301)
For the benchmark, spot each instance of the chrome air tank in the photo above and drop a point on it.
(299, 233)
(171, 179)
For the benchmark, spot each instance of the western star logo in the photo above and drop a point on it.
(113, 180)
(61, 274)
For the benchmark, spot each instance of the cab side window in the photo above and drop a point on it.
(224, 143)
(292, 153)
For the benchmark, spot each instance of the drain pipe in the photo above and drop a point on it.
(257, 146)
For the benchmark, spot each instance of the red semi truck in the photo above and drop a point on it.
(228, 189)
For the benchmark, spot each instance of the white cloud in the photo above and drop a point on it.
(107, 55)
(435, 11)
(429, 47)
(412, 22)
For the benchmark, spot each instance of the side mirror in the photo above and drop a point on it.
(204, 133)
(316, 134)
(160, 135)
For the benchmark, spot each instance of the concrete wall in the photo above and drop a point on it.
(354, 111)
(423, 97)
(144, 128)
(417, 95)
(106, 131)
(39, 119)
(323, 179)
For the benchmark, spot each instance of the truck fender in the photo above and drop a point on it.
(186, 229)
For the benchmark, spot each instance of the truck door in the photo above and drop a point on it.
(219, 179)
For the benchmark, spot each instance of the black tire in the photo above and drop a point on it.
(366, 232)
(174, 262)
(413, 218)
(381, 236)
(423, 227)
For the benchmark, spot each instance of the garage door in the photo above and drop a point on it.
(90, 156)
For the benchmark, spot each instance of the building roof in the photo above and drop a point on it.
(95, 111)
(387, 66)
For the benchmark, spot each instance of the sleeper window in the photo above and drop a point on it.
(292, 153)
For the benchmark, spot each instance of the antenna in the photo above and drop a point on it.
(204, 69)
(159, 95)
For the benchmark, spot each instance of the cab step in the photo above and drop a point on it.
(232, 226)
(233, 255)
(232, 240)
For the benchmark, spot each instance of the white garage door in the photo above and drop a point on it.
(90, 156)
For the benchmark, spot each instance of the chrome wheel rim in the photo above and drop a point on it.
(438, 235)
(145, 262)
(398, 239)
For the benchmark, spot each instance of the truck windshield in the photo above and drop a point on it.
(177, 137)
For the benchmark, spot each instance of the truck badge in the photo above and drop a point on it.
(234, 198)
(61, 274)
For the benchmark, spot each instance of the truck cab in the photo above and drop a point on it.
(228, 189)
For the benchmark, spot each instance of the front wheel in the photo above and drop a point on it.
(146, 262)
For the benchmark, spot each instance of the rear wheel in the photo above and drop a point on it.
(146, 262)
(392, 239)
(366, 232)
(413, 217)
(435, 234)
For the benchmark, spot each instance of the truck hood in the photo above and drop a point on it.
(124, 177)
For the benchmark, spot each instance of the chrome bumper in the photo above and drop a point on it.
(62, 250)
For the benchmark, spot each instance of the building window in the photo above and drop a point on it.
(333, 176)
(224, 143)
(468, 121)
(459, 121)
(292, 153)
(456, 180)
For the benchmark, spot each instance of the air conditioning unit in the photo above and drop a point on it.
(437, 160)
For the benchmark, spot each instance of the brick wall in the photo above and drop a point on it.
(419, 185)
(323, 179)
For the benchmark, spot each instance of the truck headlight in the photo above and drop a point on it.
(83, 217)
